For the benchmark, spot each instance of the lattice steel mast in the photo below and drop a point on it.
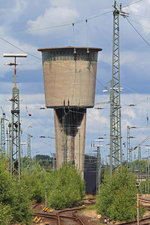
(15, 154)
(3, 134)
(115, 107)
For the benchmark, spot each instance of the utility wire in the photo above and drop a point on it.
(138, 32)
(8, 42)
(62, 25)
(57, 26)
(144, 17)
(141, 24)
(71, 24)
(132, 3)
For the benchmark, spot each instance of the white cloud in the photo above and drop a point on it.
(61, 3)
(53, 16)
(20, 6)
(12, 9)
(128, 57)
(129, 112)
(42, 121)
(135, 8)
(140, 13)
(29, 63)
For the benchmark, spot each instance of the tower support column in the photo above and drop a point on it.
(70, 124)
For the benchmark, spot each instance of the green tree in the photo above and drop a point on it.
(65, 188)
(117, 196)
(139, 165)
(21, 204)
(36, 183)
(14, 198)
(5, 214)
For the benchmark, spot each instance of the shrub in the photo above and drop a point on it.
(5, 214)
(21, 204)
(65, 188)
(14, 198)
(36, 183)
(117, 196)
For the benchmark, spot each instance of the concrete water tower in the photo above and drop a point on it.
(69, 82)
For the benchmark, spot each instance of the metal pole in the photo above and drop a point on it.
(128, 143)
(139, 162)
(15, 154)
(115, 107)
(7, 136)
(10, 150)
(138, 215)
(98, 168)
(15, 64)
(79, 149)
(111, 135)
(29, 154)
(148, 171)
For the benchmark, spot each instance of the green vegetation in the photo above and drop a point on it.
(5, 214)
(145, 186)
(36, 183)
(91, 207)
(117, 196)
(65, 188)
(139, 165)
(62, 188)
(14, 199)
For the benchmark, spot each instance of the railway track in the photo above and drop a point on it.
(143, 200)
(60, 218)
(64, 217)
(144, 221)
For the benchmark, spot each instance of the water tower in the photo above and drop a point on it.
(69, 82)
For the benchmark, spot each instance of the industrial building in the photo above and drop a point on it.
(69, 82)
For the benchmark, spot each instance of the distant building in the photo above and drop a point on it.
(90, 174)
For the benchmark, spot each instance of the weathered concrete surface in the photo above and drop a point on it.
(69, 82)
(70, 126)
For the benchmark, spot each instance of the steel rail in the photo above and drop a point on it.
(145, 221)
(79, 219)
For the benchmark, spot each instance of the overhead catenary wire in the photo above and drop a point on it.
(142, 25)
(78, 21)
(132, 3)
(61, 25)
(71, 23)
(28, 53)
(8, 42)
(138, 32)
(56, 26)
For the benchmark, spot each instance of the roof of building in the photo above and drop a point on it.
(70, 47)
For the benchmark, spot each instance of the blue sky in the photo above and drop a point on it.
(30, 25)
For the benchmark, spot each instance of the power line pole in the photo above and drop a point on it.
(29, 154)
(3, 135)
(7, 141)
(98, 169)
(128, 144)
(10, 150)
(15, 152)
(115, 107)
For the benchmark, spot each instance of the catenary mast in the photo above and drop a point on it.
(115, 105)
(15, 154)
